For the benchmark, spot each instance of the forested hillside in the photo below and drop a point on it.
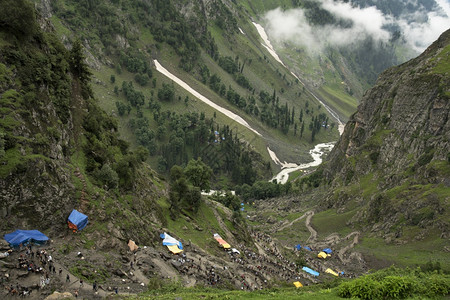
(202, 44)
(59, 149)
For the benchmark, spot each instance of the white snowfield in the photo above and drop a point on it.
(219, 108)
(267, 44)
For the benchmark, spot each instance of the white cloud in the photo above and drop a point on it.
(367, 20)
(290, 25)
(421, 32)
(419, 29)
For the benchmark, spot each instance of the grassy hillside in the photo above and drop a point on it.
(127, 54)
(391, 283)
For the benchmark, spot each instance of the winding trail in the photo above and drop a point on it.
(348, 247)
(292, 222)
(313, 236)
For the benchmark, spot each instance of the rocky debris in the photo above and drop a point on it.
(4, 246)
(120, 273)
(176, 264)
(58, 296)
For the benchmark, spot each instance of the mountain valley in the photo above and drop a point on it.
(132, 111)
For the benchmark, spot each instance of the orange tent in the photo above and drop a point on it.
(221, 241)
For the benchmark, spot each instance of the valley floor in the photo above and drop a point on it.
(264, 264)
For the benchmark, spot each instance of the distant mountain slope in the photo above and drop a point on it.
(394, 156)
(212, 47)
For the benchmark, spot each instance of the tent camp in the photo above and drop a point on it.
(221, 241)
(307, 248)
(298, 284)
(77, 221)
(172, 244)
(327, 250)
(297, 247)
(310, 271)
(132, 245)
(25, 236)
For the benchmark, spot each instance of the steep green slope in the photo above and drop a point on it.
(212, 55)
(59, 150)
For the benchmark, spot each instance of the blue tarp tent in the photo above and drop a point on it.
(327, 250)
(298, 247)
(77, 220)
(25, 236)
(312, 272)
(170, 241)
(307, 248)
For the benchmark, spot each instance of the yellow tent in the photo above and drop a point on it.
(322, 255)
(174, 249)
(298, 284)
(329, 271)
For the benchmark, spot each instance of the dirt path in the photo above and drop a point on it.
(224, 227)
(312, 238)
(74, 284)
(83, 204)
(345, 249)
(165, 269)
(292, 222)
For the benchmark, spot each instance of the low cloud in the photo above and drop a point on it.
(422, 29)
(419, 29)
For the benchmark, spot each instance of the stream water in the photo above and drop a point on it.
(319, 149)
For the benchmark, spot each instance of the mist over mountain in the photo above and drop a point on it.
(346, 23)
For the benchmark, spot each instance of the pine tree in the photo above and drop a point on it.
(78, 65)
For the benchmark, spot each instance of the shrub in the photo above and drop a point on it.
(394, 283)
(363, 288)
(397, 287)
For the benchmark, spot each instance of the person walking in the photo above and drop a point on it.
(67, 278)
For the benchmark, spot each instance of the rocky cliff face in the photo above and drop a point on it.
(395, 151)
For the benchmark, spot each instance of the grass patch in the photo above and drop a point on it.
(414, 253)
(443, 61)
(339, 100)
(210, 293)
(327, 222)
